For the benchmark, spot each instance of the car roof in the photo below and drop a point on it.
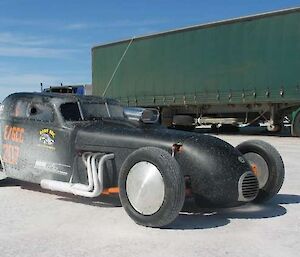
(61, 97)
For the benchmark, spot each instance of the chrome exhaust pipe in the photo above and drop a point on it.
(95, 178)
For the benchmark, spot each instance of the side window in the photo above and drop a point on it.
(70, 111)
(33, 111)
(40, 112)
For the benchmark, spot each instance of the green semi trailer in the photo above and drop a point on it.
(239, 71)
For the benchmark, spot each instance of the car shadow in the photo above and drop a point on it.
(192, 217)
(9, 182)
(107, 201)
(191, 221)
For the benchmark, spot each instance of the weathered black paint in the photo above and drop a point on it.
(212, 164)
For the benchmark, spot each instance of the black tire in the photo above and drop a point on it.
(274, 164)
(174, 186)
(296, 125)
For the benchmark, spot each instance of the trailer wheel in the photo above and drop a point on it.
(152, 189)
(266, 164)
(296, 125)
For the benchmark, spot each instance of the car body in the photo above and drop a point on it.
(82, 144)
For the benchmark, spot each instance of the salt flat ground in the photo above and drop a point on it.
(38, 223)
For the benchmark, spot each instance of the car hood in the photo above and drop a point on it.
(213, 166)
(126, 134)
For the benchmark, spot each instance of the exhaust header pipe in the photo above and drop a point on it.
(94, 173)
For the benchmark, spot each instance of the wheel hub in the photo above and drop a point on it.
(145, 188)
(259, 168)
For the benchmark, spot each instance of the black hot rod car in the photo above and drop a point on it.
(88, 145)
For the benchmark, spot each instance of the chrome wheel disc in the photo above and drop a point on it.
(259, 168)
(145, 188)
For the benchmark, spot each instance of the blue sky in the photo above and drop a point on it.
(50, 41)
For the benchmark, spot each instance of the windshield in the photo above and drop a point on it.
(94, 111)
(91, 110)
(70, 111)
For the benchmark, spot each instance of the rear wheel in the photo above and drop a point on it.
(296, 125)
(152, 188)
(266, 164)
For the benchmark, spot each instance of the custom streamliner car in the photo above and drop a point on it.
(88, 146)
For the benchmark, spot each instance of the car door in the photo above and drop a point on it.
(41, 152)
(51, 143)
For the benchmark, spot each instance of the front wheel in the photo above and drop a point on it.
(266, 164)
(152, 188)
